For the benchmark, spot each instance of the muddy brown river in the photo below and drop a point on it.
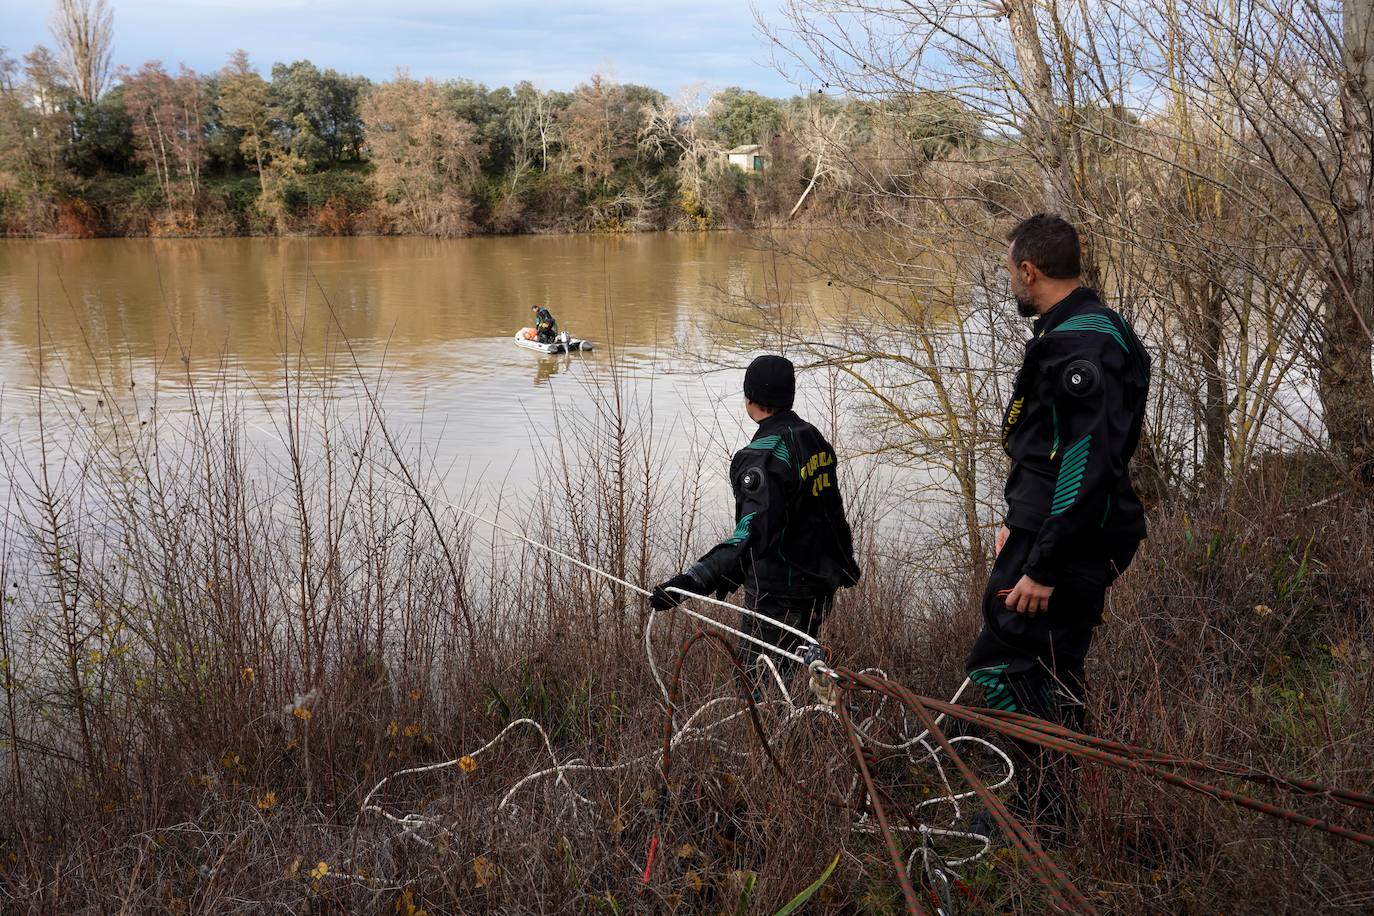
(138, 325)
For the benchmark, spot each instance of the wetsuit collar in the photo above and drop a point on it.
(1064, 309)
(775, 423)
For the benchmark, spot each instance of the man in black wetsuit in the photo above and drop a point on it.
(791, 548)
(1073, 520)
(545, 326)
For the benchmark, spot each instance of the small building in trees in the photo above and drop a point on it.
(750, 157)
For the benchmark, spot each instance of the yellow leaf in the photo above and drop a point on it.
(96, 655)
(247, 674)
(1263, 610)
(320, 870)
(294, 868)
(483, 871)
(267, 801)
(230, 759)
(415, 693)
(1341, 651)
(405, 904)
(410, 731)
(694, 880)
(467, 764)
(686, 851)
(300, 712)
(393, 729)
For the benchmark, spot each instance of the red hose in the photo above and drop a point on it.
(649, 860)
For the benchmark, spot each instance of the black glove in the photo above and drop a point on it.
(661, 599)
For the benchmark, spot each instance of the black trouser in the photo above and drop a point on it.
(805, 614)
(1034, 665)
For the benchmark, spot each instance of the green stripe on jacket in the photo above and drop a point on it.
(1072, 467)
(1101, 324)
(775, 445)
(741, 532)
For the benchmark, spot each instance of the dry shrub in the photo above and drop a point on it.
(77, 219)
(334, 218)
(211, 660)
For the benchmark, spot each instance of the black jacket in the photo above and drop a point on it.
(791, 539)
(1070, 430)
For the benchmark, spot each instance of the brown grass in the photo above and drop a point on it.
(208, 666)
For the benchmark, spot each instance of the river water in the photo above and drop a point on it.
(145, 322)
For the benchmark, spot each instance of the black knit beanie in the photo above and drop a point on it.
(770, 382)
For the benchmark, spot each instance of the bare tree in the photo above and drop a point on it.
(84, 32)
(826, 135)
(1348, 385)
(676, 130)
(1296, 130)
(168, 114)
(1042, 119)
(426, 160)
(599, 129)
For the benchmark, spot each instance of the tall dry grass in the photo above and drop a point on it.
(210, 659)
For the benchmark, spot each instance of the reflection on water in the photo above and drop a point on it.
(142, 318)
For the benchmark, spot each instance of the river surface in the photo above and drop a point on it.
(139, 325)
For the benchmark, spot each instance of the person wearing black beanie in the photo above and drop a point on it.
(771, 382)
(791, 547)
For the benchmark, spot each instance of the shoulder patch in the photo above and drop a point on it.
(1082, 378)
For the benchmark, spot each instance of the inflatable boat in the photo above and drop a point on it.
(563, 343)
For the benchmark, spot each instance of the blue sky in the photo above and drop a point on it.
(667, 44)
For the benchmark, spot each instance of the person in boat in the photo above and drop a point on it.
(1073, 520)
(545, 325)
(791, 547)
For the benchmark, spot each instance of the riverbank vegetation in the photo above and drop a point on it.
(167, 151)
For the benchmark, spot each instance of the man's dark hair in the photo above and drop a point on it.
(1050, 243)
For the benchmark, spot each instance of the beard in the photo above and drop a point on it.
(1026, 307)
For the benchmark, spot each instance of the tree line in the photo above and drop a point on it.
(163, 151)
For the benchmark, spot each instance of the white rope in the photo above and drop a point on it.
(753, 613)
(690, 732)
